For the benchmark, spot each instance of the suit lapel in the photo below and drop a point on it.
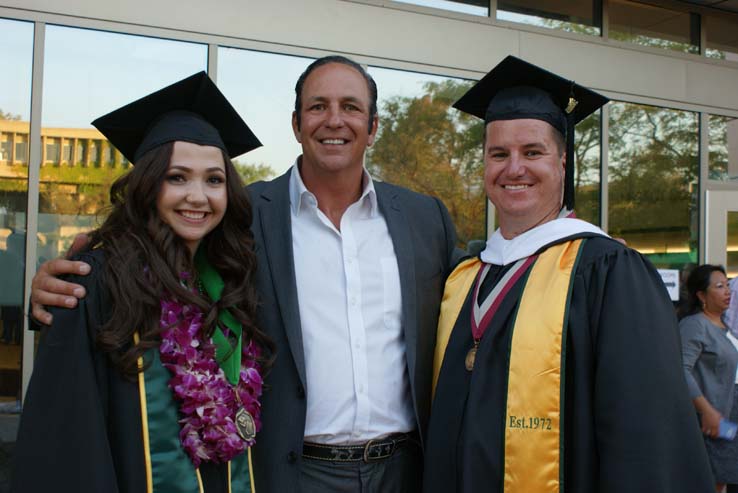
(276, 228)
(399, 230)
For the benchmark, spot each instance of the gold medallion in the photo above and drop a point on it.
(245, 424)
(470, 357)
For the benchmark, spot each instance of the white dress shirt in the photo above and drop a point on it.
(348, 290)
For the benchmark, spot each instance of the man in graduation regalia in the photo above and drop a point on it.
(557, 365)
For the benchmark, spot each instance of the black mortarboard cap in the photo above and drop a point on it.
(191, 110)
(516, 89)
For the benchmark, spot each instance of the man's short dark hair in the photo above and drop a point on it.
(371, 85)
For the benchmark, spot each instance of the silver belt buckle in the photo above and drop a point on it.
(392, 445)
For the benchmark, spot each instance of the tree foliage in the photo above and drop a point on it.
(8, 116)
(427, 146)
(251, 173)
(653, 175)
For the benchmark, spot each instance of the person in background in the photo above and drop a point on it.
(153, 381)
(710, 358)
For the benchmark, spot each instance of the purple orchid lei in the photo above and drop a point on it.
(207, 400)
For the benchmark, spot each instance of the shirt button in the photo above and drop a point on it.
(353, 300)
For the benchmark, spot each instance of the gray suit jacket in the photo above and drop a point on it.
(423, 237)
(710, 362)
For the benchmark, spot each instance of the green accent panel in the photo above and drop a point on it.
(240, 474)
(672, 260)
(171, 468)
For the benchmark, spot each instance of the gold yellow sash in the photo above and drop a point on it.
(458, 284)
(533, 424)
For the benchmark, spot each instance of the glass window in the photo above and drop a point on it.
(21, 152)
(66, 152)
(261, 86)
(723, 161)
(5, 149)
(473, 7)
(653, 176)
(81, 156)
(16, 57)
(52, 151)
(94, 153)
(648, 25)
(580, 16)
(732, 238)
(587, 164)
(75, 93)
(107, 155)
(425, 145)
(722, 36)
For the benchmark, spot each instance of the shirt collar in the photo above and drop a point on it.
(301, 197)
(500, 251)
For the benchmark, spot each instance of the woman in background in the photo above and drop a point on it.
(710, 356)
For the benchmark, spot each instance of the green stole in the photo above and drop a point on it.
(168, 468)
(534, 424)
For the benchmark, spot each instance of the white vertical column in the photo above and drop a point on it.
(704, 154)
(34, 166)
(213, 62)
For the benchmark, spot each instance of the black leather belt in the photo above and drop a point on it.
(372, 450)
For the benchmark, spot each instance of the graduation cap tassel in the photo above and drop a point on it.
(570, 124)
(569, 178)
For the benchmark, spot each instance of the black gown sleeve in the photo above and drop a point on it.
(62, 441)
(646, 434)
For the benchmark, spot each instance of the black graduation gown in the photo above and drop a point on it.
(81, 427)
(629, 424)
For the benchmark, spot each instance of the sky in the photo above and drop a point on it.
(88, 73)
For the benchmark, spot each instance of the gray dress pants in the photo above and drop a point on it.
(400, 473)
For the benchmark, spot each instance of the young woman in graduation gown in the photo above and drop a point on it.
(152, 383)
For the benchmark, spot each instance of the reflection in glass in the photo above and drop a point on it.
(473, 7)
(722, 37)
(723, 161)
(16, 56)
(426, 146)
(648, 25)
(580, 16)
(86, 74)
(587, 161)
(731, 265)
(653, 174)
(261, 86)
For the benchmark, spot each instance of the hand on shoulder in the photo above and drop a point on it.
(48, 289)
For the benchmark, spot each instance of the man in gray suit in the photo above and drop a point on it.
(351, 275)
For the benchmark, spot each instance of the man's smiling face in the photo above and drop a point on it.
(524, 172)
(334, 123)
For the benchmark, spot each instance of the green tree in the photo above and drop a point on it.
(8, 116)
(427, 146)
(653, 174)
(587, 169)
(251, 173)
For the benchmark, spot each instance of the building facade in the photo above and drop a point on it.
(658, 166)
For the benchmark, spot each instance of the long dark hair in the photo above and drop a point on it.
(144, 258)
(698, 281)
